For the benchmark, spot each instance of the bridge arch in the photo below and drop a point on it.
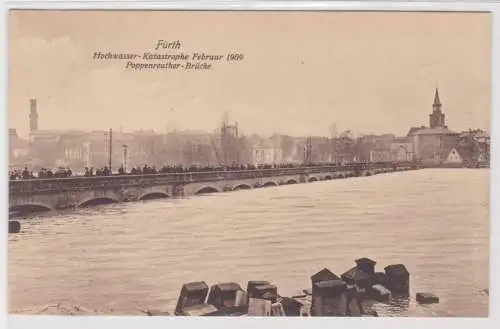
(206, 190)
(269, 184)
(153, 196)
(241, 187)
(313, 179)
(29, 208)
(291, 181)
(328, 177)
(96, 201)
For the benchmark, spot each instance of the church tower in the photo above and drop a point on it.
(436, 118)
(33, 116)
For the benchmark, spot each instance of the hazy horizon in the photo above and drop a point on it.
(366, 72)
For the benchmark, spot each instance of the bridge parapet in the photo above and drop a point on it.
(73, 192)
(78, 184)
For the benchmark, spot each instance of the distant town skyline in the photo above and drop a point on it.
(376, 73)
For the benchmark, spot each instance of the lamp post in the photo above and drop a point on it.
(125, 147)
(106, 148)
(110, 148)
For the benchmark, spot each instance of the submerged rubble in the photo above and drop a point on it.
(350, 294)
(14, 227)
(427, 298)
(329, 295)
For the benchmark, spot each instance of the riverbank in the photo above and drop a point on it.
(455, 166)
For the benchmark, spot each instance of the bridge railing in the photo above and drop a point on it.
(51, 185)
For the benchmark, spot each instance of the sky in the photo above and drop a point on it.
(370, 72)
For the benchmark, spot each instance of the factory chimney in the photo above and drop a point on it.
(33, 116)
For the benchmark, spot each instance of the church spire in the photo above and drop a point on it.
(437, 117)
(437, 102)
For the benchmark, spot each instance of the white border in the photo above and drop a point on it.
(122, 322)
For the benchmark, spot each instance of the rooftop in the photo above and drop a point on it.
(400, 140)
(55, 132)
(434, 131)
(228, 286)
(324, 275)
(466, 153)
(413, 130)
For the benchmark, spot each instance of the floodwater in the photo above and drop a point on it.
(135, 256)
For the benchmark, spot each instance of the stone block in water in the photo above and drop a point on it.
(329, 288)
(367, 265)
(398, 279)
(355, 297)
(273, 298)
(192, 294)
(324, 275)
(427, 298)
(379, 293)
(252, 284)
(354, 307)
(329, 298)
(241, 298)
(330, 306)
(291, 306)
(358, 277)
(307, 292)
(259, 307)
(224, 295)
(268, 291)
(14, 226)
(156, 313)
(381, 278)
(200, 310)
(277, 309)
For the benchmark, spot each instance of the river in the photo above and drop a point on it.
(137, 255)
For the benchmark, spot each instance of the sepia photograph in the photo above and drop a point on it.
(249, 163)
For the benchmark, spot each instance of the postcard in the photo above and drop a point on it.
(249, 163)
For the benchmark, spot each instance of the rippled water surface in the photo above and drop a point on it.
(137, 255)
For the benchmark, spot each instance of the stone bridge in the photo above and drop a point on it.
(73, 192)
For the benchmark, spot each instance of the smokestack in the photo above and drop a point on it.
(33, 116)
(333, 130)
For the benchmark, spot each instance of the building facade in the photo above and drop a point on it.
(432, 144)
(380, 155)
(454, 157)
(266, 155)
(401, 149)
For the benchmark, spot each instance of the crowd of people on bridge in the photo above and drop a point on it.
(18, 174)
(60, 172)
(104, 171)
(182, 169)
(166, 169)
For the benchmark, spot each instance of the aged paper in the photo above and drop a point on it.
(154, 149)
